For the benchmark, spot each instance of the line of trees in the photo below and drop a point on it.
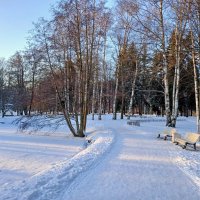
(139, 57)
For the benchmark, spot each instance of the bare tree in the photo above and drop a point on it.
(181, 9)
(196, 81)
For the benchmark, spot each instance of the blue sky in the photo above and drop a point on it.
(16, 17)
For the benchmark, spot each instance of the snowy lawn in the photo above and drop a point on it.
(23, 156)
(54, 165)
(40, 165)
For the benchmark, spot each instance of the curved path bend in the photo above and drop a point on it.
(137, 167)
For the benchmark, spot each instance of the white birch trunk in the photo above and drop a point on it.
(165, 68)
(100, 100)
(66, 87)
(107, 96)
(176, 80)
(195, 82)
(104, 73)
(132, 91)
(115, 95)
(93, 97)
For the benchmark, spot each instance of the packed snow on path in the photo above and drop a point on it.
(122, 162)
(139, 166)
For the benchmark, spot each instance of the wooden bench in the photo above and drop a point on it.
(166, 133)
(175, 135)
(134, 122)
(190, 139)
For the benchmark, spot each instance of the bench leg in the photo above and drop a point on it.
(184, 146)
(158, 135)
(195, 146)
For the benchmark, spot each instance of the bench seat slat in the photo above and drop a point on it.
(191, 139)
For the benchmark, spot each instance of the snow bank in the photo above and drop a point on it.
(52, 183)
(188, 161)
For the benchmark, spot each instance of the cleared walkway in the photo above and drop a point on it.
(137, 167)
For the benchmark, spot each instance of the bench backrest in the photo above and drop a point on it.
(169, 132)
(166, 131)
(192, 137)
(173, 131)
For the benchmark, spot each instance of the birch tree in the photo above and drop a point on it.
(152, 20)
(181, 9)
(196, 81)
(195, 48)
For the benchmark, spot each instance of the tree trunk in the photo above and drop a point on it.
(132, 91)
(100, 99)
(32, 88)
(93, 97)
(196, 84)
(115, 94)
(165, 67)
(176, 81)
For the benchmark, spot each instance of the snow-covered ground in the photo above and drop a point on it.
(123, 162)
(23, 156)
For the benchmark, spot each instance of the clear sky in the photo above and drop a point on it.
(16, 17)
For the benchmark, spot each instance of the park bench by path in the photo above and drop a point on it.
(175, 136)
(134, 122)
(190, 139)
(137, 122)
(167, 133)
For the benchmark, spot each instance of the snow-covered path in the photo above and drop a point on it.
(137, 167)
(122, 162)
